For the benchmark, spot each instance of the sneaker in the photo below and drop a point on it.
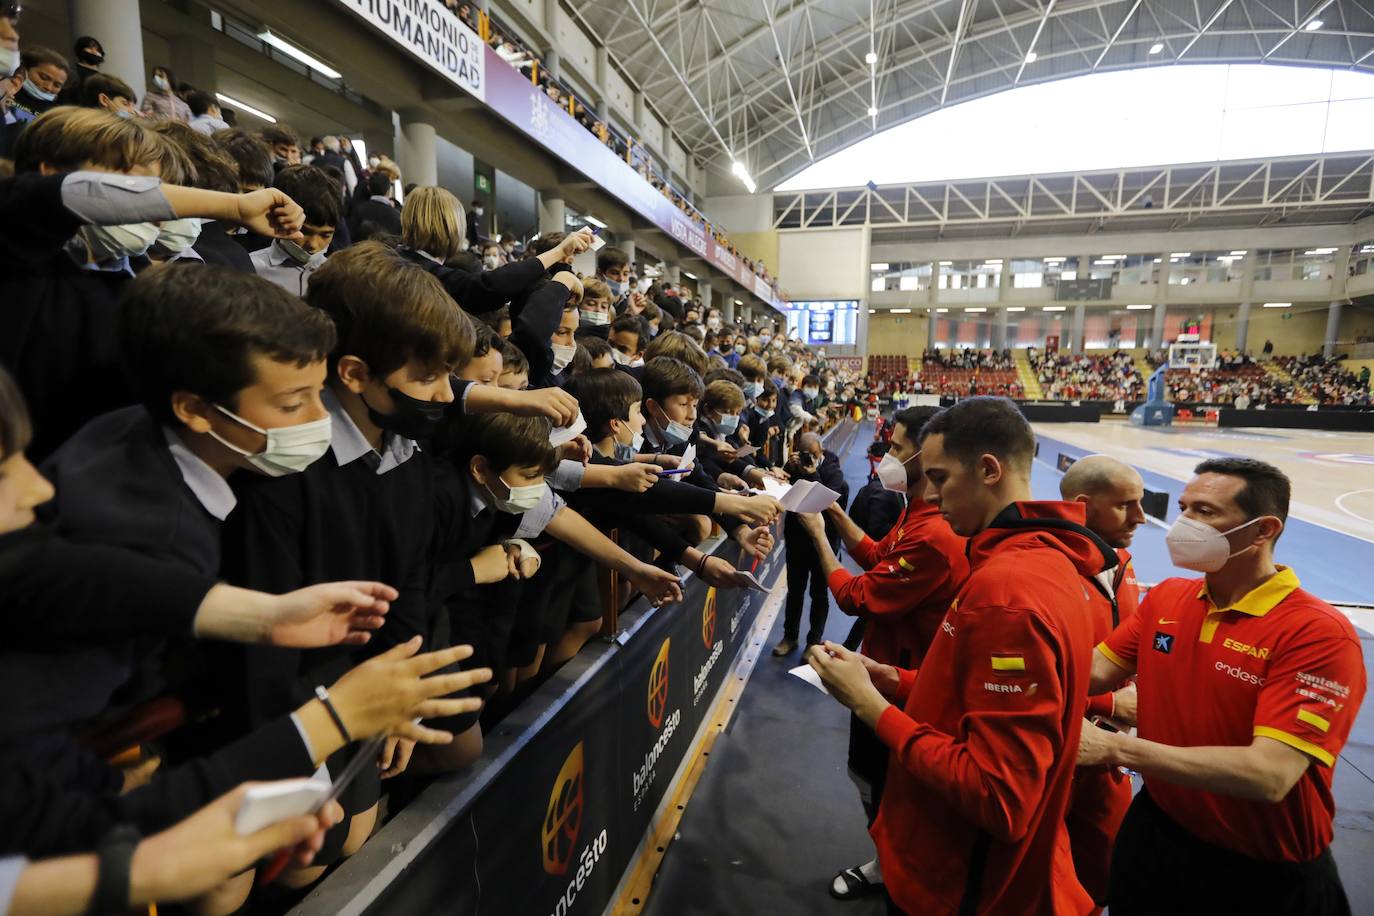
(786, 647)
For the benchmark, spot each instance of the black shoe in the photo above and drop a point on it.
(786, 647)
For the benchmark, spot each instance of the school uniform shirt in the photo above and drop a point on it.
(639, 512)
(60, 340)
(356, 513)
(983, 738)
(274, 264)
(910, 577)
(217, 246)
(1102, 794)
(1278, 663)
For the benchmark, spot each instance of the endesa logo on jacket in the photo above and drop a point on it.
(563, 818)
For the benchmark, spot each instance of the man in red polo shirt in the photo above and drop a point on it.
(909, 579)
(983, 735)
(1248, 687)
(1111, 493)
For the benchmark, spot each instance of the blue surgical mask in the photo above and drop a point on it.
(617, 288)
(675, 433)
(729, 423)
(753, 389)
(764, 414)
(37, 93)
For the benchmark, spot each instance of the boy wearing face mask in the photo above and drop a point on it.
(290, 264)
(60, 340)
(717, 427)
(627, 339)
(1248, 687)
(89, 56)
(613, 268)
(45, 73)
(595, 310)
(365, 508)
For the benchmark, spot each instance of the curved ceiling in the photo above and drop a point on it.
(778, 84)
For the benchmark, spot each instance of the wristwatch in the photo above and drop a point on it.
(111, 897)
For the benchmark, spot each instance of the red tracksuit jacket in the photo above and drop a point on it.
(1101, 795)
(911, 576)
(984, 744)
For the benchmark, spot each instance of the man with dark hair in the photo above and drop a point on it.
(1111, 493)
(910, 576)
(627, 339)
(1248, 688)
(972, 813)
(205, 113)
(254, 157)
(284, 143)
(90, 54)
(290, 264)
(613, 268)
(377, 215)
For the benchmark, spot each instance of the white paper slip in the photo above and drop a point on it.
(744, 451)
(807, 496)
(597, 242)
(808, 674)
(568, 433)
(689, 458)
(775, 488)
(753, 580)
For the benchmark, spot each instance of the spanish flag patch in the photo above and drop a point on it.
(1311, 718)
(1008, 664)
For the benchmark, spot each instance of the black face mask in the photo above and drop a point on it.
(412, 418)
(90, 58)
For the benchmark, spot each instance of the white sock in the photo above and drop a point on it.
(871, 872)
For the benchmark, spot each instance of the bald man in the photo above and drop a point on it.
(1111, 493)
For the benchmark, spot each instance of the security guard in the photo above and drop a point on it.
(1248, 688)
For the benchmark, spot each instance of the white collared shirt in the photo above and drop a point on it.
(274, 264)
(349, 444)
(209, 487)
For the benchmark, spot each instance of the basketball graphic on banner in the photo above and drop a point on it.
(708, 619)
(658, 686)
(563, 819)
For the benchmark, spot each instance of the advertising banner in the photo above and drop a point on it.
(430, 32)
(655, 717)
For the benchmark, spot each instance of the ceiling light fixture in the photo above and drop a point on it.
(976, 309)
(901, 311)
(1278, 305)
(1313, 25)
(1053, 308)
(871, 58)
(738, 170)
(290, 50)
(241, 106)
(1139, 308)
(1157, 47)
(1016, 308)
(1032, 57)
(880, 265)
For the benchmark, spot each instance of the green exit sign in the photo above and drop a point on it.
(484, 184)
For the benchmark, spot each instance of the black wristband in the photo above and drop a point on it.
(323, 696)
(702, 564)
(112, 878)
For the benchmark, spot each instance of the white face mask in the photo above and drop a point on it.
(478, 210)
(713, 323)
(595, 318)
(620, 359)
(161, 83)
(491, 262)
(1198, 546)
(562, 355)
(521, 499)
(9, 62)
(729, 423)
(810, 393)
(176, 235)
(290, 449)
(893, 472)
(110, 243)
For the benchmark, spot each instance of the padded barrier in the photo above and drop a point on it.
(1347, 421)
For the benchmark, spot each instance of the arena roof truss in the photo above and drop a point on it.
(778, 84)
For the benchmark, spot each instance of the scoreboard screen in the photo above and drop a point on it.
(825, 322)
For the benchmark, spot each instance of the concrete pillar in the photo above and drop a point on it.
(1156, 341)
(727, 309)
(1076, 329)
(672, 273)
(1242, 326)
(639, 111)
(552, 65)
(628, 246)
(118, 26)
(999, 330)
(930, 329)
(552, 214)
(603, 69)
(705, 293)
(1333, 329)
(419, 157)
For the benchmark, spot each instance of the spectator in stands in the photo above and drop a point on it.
(110, 93)
(160, 102)
(45, 73)
(287, 263)
(475, 212)
(205, 113)
(376, 216)
(90, 54)
(284, 143)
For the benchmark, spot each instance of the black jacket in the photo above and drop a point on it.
(217, 246)
(371, 218)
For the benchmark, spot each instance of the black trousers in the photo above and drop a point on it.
(803, 576)
(1160, 868)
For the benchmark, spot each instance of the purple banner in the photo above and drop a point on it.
(511, 95)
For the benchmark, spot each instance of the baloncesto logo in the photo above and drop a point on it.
(708, 619)
(561, 829)
(708, 639)
(659, 717)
